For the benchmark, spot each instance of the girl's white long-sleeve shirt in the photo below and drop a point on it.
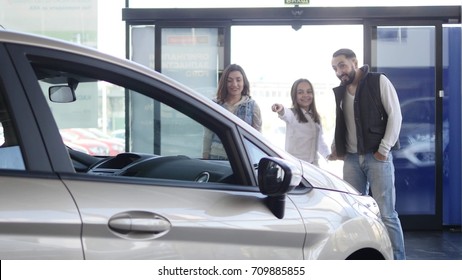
(304, 140)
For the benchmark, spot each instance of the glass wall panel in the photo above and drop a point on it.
(192, 57)
(189, 55)
(407, 56)
(452, 125)
(142, 109)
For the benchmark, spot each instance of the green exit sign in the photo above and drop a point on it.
(296, 2)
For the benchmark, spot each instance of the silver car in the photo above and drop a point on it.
(158, 199)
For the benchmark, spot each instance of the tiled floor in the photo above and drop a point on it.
(434, 245)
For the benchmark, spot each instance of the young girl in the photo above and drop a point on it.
(304, 135)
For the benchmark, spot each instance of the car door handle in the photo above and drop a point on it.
(139, 222)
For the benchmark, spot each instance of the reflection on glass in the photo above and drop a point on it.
(406, 56)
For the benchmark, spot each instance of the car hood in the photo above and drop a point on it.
(317, 177)
(322, 179)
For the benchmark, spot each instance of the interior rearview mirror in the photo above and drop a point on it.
(61, 94)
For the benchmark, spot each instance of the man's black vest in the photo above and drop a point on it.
(370, 116)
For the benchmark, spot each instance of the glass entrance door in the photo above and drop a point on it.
(275, 56)
(410, 58)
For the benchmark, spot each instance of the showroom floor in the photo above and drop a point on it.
(434, 245)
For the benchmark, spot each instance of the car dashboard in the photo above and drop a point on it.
(177, 167)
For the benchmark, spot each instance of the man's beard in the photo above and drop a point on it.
(351, 78)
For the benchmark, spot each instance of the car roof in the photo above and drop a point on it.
(22, 38)
(35, 40)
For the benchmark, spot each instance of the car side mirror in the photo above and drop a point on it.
(277, 177)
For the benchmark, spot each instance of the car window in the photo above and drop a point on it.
(133, 134)
(10, 152)
(255, 153)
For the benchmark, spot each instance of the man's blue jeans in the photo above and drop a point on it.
(366, 173)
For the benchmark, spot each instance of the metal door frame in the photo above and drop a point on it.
(421, 221)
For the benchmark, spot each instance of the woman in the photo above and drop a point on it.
(234, 95)
(304, 135)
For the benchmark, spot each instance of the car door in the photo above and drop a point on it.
(126, 221)
(38, 218)
(154, 201)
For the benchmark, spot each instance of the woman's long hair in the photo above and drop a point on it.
(297, 110)
(222, 91)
